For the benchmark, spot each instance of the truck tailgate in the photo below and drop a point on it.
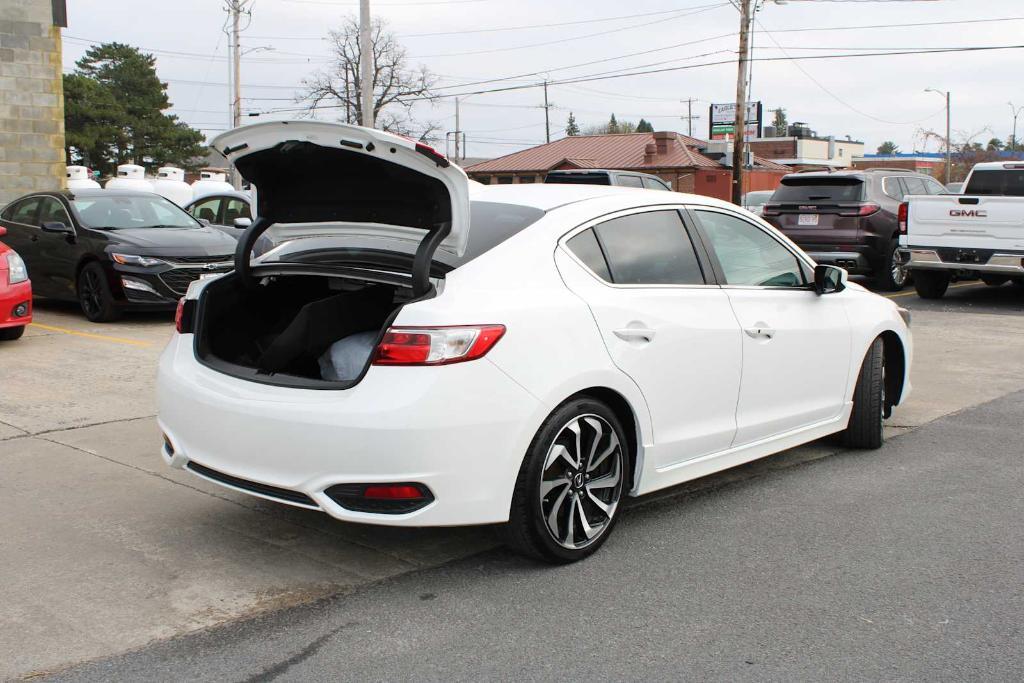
(986, 222)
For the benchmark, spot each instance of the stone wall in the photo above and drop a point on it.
(31, 99)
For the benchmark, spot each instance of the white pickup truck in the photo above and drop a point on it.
(977, 234)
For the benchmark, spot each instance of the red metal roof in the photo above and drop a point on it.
(618, 151)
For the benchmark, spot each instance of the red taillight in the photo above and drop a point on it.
(179, 313)
(770, 210)
(436, 345)
(903, 217)
(183, 315)
(393, 492)
(431, 153)
(865, 209)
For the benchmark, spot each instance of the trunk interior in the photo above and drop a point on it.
(308, 331)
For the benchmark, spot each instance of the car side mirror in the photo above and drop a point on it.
(242, 223)
(57, 227)
(3, 231)
(204, 221)
(829, 279)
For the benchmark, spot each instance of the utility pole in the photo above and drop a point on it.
(365, 65)
(547, 112)
(689, 115)
(949, 143)
(236, 58)
(739, 127)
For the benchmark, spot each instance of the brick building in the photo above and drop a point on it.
(677, 159)
(31, 97)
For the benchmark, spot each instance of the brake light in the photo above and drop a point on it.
(903, 217)
(432, 154)
(865, 209)
(183, 316)
(436, 345)
(770, 210)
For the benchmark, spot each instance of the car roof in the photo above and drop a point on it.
(547, 197)
(103, 192)
(998, 166)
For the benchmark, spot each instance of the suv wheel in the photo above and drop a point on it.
(931, 284)
(894, 275)
(570, 484)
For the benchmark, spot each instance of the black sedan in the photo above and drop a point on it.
(113, 250)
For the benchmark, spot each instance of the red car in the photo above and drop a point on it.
(15, 293)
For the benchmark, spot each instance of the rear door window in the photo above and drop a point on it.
(651, 248)
(914, 185)
(997, 182)
(654, 184)
(815, 189)
(24, 212)
(586, 249)
(630, 181)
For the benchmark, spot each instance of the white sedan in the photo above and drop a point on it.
(411, 355)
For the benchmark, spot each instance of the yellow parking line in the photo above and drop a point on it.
(88, 335)
(893, 296)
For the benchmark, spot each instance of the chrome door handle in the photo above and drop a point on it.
(634, 333)
(760, 332)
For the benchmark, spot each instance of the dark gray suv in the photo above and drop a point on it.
(849, 218)
(593, 176)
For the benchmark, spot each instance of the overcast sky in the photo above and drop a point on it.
(871, 98)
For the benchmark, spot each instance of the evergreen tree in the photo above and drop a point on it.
(888, 147)
(114, 106)
(780, 123)
(571, 127)
(613, 125)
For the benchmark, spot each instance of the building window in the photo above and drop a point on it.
(527, 179)
(504, 180)
(840, 151)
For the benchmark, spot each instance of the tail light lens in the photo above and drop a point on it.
(770, 210)
(903, 217)
(436, 345)
(865, 209)
(183, 316)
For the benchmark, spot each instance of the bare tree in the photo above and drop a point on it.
(396, 86)
(966, 150)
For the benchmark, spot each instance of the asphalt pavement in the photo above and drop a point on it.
(905, 563)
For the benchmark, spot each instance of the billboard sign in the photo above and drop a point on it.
(723, 119)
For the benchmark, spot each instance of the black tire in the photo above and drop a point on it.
(11, 333)
(931, 284)
(865, 427)
(995, 280)
(892, 276)
(528, 531)
(94, 295)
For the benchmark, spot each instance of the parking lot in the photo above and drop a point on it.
(108, 550)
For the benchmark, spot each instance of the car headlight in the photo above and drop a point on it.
(16, 270)
(134, 260)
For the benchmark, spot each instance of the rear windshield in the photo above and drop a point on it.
(579, 178)
(816, 189)
(491, 223)
(1009, 183)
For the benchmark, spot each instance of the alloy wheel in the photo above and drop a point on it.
(90, 293)
(899, 273)
(581, 482)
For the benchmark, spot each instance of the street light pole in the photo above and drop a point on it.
(1013, 136)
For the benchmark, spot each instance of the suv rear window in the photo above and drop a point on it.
(817, 188)
(996, 182)
(578, 178)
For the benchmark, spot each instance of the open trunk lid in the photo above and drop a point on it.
(330, 179)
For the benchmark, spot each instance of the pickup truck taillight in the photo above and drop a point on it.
(903, 216)
(865, 209)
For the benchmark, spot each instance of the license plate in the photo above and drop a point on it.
(807, 219)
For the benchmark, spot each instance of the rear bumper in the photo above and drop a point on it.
(460, 430)
(997, 264)
(12, 299)
(852, 261)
